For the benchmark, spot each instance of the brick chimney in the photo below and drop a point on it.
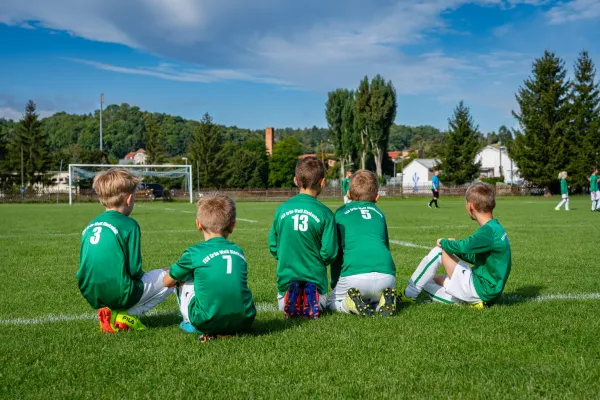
(269, 140)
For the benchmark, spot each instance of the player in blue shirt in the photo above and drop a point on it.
(435, 188)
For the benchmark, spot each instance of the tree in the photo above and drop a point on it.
(205, 150)
(248, 166)
(362, 112)
(583, 133)
(334, 113)
(539, 148)
(349, 146)
(457, 164)
(29, 147)
(382, 107)
(283, 162)
(153, 141)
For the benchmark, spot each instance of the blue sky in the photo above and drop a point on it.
(271, 62)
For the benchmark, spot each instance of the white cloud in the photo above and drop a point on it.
(574, 10)
(15, 115)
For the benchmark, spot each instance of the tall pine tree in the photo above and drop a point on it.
(381, 117)
(153, 142)
(540, 149)
(458, 164)
(583, 134)
(205, 150)
(29, 146)
(334, 113)
(362, 113)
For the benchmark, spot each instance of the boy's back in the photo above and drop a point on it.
(111, 262)
(222, 302)
(303, 238)
(363, 237)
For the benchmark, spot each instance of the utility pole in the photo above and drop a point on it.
(22, 180)
(101, 102)
(198, 176)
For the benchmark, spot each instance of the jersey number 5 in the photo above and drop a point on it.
(96, 238)
(300, 222)
(365, 214)
(229, 262)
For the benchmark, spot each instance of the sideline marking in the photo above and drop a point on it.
(408, 244)
(247, 220)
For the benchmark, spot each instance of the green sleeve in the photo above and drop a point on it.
(329, 241)
(480, 242)
(183, 269)
(135, 253)
(273, 237)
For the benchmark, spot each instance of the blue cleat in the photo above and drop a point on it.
(312, 307)
(187, 327)
(293, 300)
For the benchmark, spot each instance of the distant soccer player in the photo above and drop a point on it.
(594, 193)
(435, 188)
(363, 275)
(346, 185)
(303, 239)
(564, 191)
(110, 265)
(488, 250)
(215, 299)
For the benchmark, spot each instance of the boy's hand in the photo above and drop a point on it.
(168, 281)
(439, 244)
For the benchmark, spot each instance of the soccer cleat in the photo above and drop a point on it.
(205, 337)
(557, 209)
(187, 327)
(293, 300)
(126, 322)
(387, 303)
(356, 305)
(402, 298)
(107, 320)
(312, 307)
(478, 306)
(429, 205)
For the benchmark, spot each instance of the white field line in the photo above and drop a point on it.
(261, 307)
(408, 244)
(252, 221)
(34, 235)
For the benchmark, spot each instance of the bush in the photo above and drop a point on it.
(493, 181)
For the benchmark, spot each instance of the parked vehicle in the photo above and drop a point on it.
(149, 191)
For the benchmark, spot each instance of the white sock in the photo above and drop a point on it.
(438, 293)
(561, 204)
(567, 205)
(424, 273)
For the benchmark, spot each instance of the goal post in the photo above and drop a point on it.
(88, 171)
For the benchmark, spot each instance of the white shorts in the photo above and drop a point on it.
(184, 297)
(460, 285)
(594, 196)
(281, 303)
(370, 286)
(154, 292)
(565, 196)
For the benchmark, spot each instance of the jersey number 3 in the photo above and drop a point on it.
(300, 222)
(96, 238)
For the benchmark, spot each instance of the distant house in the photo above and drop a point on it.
(418, 173)
(135, 157)
(495, 162)
(329, 158)
(394, 155)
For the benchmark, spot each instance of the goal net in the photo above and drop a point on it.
(157, 180)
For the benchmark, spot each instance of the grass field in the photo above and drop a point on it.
(541, 342)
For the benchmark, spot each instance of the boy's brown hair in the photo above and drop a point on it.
(482, 196)
(309, 173)
(113, 186)
(216, 212)
(364, 186)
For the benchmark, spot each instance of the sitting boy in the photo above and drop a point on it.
(110, 265)
(488, 250)
(303, 238)
(363, 275)
(214, 300)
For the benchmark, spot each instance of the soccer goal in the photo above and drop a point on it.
(82, 175)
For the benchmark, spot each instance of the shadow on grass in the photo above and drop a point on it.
(161, 321)
(523, 294)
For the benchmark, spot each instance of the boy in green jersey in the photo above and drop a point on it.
(346, 185)
(594, 192)
(304, 241)
(214, 299)
(110, 272)
(488, 250)
(363, 275)
(564, 191)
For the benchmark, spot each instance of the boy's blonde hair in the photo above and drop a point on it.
(113, 186)
(482, 196)
(364, 186)
(562, 175)
(216, 212)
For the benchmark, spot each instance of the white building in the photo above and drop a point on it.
(417, 174)
(134, 157)
(495, 162)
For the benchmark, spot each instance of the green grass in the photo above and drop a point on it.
(520, 349)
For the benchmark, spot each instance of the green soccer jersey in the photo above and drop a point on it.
(345, 186)
(363, 241)
(488, 250)
(593, 183)
(222, 303)
(303, 239)
(564, 188)
(110, 262)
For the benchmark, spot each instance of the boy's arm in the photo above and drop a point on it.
(181, 271)
(135, 253)
(387, 237)
(329, 241)
(273, 238)
(480, 242)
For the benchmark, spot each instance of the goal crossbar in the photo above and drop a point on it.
(187, 167)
